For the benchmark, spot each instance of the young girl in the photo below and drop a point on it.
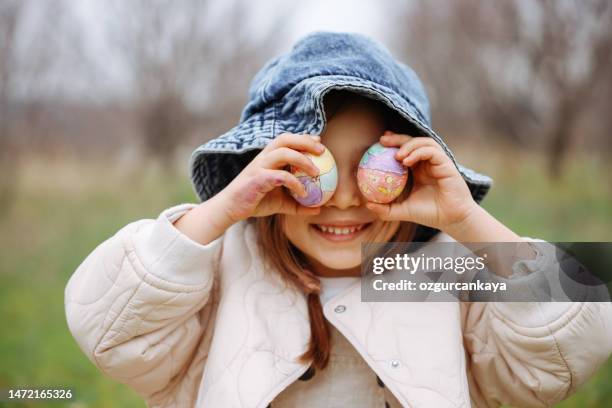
(249, 299)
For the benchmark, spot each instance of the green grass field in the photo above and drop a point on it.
(67, 208)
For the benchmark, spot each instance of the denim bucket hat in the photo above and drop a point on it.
(286, 95)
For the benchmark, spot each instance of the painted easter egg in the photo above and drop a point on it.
(320, 188)
(381, 178)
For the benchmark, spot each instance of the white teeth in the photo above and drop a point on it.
(339, 230)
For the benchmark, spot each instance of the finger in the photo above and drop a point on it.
(414, 144)
(303, 142)
(283, 156)
(390, 139)
(434, 155)
(389, 212)
(276, 178)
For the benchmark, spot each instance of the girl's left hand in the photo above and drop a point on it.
(440, 197)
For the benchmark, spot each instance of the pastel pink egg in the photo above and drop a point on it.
(380, 177)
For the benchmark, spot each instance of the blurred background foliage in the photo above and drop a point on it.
(101, 104)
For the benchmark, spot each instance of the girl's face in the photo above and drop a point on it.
(332, 239)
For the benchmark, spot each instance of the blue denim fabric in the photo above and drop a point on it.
(286, 95)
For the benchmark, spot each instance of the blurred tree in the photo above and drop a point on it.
(189, 63)
(11, 13)
(30, 34)
(522, 70)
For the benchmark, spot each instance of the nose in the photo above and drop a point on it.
(347, 192)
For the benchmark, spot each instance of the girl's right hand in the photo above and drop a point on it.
(257, 191)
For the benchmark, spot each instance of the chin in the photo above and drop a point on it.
(341, 261)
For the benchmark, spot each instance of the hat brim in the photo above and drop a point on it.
(216, 163)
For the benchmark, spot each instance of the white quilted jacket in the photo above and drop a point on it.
(186, 325)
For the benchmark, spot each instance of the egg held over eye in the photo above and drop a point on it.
(380, 177)
(320, 188)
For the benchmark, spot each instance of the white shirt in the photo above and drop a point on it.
(330, 287)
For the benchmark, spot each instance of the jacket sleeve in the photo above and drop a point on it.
(534, 354)
(134, 304)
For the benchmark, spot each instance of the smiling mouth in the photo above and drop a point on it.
(336, 233)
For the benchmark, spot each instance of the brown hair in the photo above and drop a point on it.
(281, 255)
